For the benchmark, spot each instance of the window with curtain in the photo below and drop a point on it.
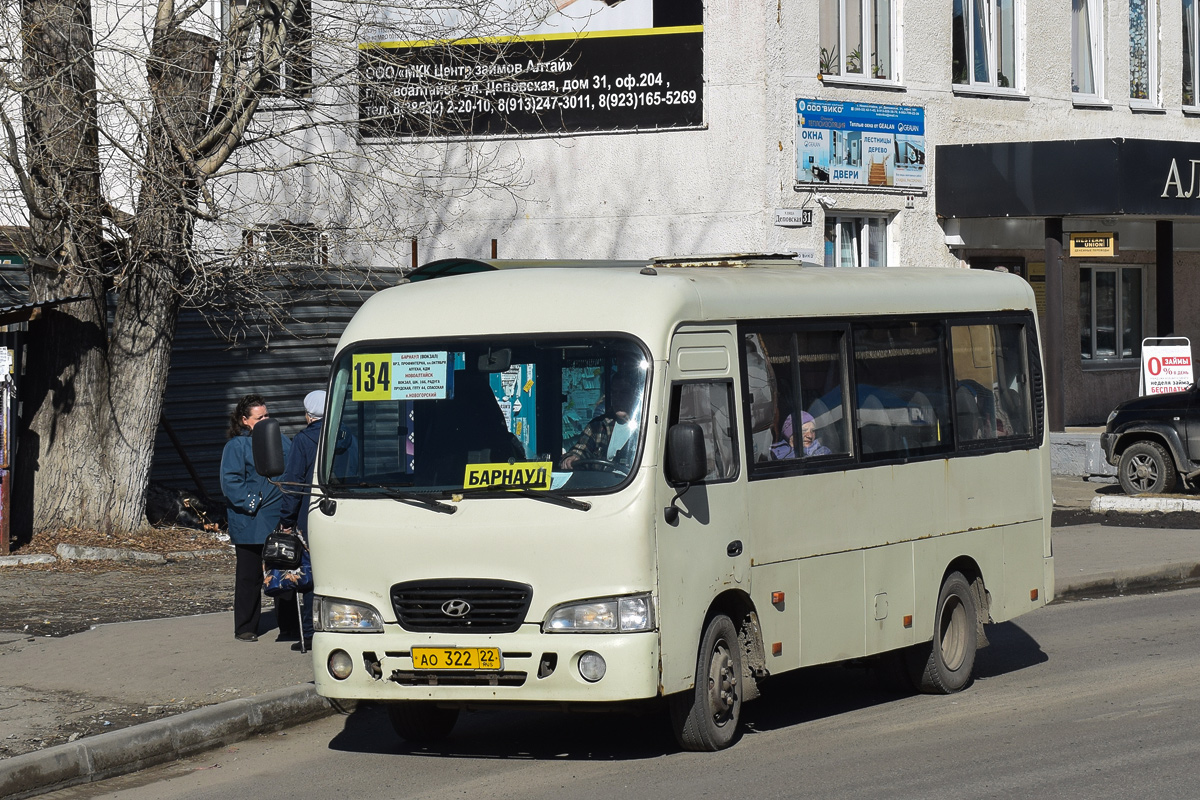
(856, 241)
(1087, 47)
(857, 38)
(985, 43)
(1190, 50)
(1143, 51)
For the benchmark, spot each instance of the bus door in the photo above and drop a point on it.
(705, 551)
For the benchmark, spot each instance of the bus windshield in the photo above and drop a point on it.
(482, 416)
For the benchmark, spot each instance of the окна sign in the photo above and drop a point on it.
(1166, 365)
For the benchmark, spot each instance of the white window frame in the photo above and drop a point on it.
(1154, 101)
(861, 244)
(894, 45)
(1093, 360)
(991, 50)
(1095, 55)
(1191, 8)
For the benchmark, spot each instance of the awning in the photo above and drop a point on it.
(24, 312)
(1086, 177)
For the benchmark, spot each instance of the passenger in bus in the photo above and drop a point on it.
(785, 448)
(610, 437)
(808, 435)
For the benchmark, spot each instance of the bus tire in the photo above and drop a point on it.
(706, 717)
(943, 666)
(421, 722)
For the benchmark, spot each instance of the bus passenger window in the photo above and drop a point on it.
(902, 397)
(763, 393)
(821, 369)
(991, 381)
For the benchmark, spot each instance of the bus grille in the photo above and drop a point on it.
(453, 605)
(409, 678)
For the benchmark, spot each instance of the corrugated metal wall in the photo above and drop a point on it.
(209, 374)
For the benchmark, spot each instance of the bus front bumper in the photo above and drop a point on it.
(534, 667)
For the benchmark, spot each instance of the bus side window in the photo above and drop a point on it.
(709, 405)
(764, 408)
(990, 374)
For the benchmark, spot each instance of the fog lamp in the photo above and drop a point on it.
(340, 664)
(591, 666)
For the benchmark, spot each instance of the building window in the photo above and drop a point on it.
(294, 243)
(858, 38)
(1191, 51)
(1110, 313)
(985, 43)
(1143, 51)
(1087, 47)
(294, 78)
(856, 241)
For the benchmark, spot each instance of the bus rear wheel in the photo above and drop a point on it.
(421, 722)
(943, 666)
(706, 717)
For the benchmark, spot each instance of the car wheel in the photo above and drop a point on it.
(1146, 468)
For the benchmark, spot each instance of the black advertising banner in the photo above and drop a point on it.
(610, 72)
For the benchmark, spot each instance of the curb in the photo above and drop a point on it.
(1165, 505)
(131, 749)
(35, 558)
(1181, 575)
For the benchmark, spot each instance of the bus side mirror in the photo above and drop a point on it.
(686, 460)
(268, 448)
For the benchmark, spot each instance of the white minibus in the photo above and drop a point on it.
(590, 483)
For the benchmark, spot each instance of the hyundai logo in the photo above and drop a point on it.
(456, 608)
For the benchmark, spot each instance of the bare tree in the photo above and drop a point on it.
(158, 149)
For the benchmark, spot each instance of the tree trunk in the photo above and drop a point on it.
(92, 398)
(180, 75)
(57, 468)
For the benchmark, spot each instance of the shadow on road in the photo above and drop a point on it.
(787, 700)
(526, 735)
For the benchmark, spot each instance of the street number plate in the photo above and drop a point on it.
(475, 658)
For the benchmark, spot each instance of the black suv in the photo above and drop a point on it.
(1154, 440)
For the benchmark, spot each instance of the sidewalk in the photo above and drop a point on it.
(250, 688)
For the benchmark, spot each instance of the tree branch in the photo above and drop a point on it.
(12, 156)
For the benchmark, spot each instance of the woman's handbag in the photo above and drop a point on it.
(283, 550)
(286, 564)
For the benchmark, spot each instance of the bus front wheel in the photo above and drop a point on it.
(706, 717)
(943, 666)
(421, 722)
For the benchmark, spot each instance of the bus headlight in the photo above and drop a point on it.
(345, 616)
(602, 615)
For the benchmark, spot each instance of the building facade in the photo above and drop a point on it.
(865, 134)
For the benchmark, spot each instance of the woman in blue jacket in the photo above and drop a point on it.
(253, 504)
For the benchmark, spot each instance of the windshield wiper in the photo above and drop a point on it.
(433, 504)
(545, 495)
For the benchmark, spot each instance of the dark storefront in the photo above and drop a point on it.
(1020, 204)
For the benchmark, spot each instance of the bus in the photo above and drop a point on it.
(594, 484)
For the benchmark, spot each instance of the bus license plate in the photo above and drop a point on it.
(477, 658)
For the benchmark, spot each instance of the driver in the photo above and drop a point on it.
(611, 437)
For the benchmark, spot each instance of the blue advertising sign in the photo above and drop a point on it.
(860, 144)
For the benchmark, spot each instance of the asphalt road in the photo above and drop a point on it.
(1094, 699)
